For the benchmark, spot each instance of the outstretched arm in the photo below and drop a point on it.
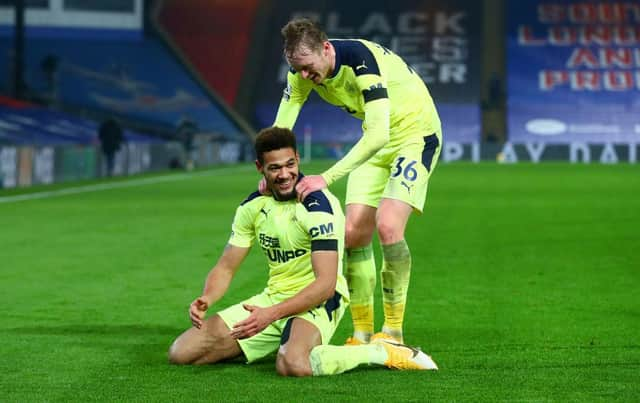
(217, 282)
(293, 97)
(375, 136)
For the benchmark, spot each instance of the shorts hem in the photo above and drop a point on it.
(239, 341)
(365, 203)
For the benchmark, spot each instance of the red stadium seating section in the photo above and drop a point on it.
(214, 36)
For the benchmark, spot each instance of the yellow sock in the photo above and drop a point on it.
(332, 360)
(360, 272)
(395, 274)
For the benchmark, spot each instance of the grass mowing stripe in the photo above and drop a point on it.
(116, 185)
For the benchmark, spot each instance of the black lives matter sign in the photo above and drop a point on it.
(439, 40)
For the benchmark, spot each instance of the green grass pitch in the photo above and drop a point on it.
(525, 287)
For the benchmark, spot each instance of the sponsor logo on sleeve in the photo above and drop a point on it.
(322, 229)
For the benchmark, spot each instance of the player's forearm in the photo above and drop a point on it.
(220, 276)
(217, 283)
(375, 137)
(295, 95)
(310, 297)
(287, 113)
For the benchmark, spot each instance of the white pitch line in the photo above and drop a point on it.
(115, 185)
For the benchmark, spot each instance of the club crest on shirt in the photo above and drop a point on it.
(350, 88)
(286, 94)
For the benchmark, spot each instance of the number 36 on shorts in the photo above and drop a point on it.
(405, 168)
(408, 182)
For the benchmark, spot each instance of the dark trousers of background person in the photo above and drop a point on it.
(110, 159)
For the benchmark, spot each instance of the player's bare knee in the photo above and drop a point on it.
(356, 237)
(293, 370)
(177, 354)
(281, 367)
(389, 232)
(349, 239)
(202, 346)
(293, 365)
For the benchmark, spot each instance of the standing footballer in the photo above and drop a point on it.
(389, 167)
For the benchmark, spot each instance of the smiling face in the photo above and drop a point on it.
(281, 171)
(313, 64)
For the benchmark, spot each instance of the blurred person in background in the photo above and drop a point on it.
(111, 138)
(186, 133)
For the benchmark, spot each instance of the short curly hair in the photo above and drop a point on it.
(274, 138)
(302, 32)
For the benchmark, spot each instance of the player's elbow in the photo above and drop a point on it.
(381, 143)
(328, 289)
(375, 143)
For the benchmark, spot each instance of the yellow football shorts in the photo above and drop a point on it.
(325, 317)
(401, 172)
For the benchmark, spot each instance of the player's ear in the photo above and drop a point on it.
(258, 166)
(297, 158)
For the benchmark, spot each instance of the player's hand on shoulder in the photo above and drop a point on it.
(309, 184)
(197, 310)
(262, 187)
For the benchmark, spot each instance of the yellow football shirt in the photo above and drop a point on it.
(372, 84)
(287, 232)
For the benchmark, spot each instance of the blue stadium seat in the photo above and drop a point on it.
(137, 79)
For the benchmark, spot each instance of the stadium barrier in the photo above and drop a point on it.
(575, 152)
(535, 152)
(35, 165)
(22, 166)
